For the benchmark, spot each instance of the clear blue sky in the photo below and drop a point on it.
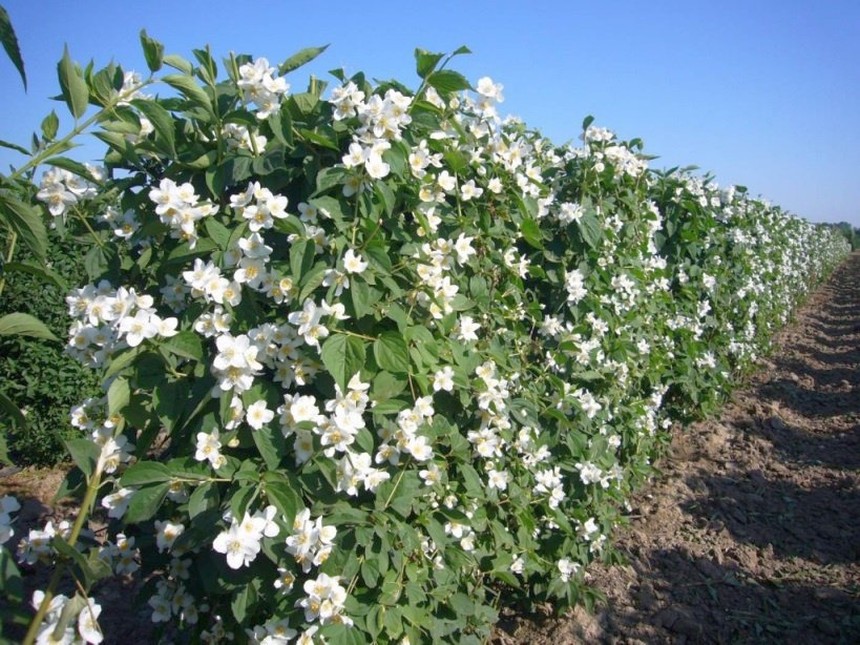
(760, 93)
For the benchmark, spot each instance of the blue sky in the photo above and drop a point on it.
(760, 93)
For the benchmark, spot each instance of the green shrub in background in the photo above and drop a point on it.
(37, 374)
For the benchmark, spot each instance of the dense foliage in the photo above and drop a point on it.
(374, 357)
(37, 375)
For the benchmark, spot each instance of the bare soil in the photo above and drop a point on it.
(752, 535)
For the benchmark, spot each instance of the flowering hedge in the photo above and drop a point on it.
(375, 358)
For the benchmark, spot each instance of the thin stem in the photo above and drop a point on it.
(86, 222)
(354, 580)
(86, 504)
(394, 490)
(10, 252)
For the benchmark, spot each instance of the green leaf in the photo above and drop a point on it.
(18, 324)
(242, 602)
(10, 44)
(50, 124)
(177, 62)
(26, 221)
(282, 125)
(72, 166)
(145, 502)
(9, 409)
(390, 406)
(319, 139)
(271, 446)
(362, 297)
(330, 177)
(204, 497)
(531, 232)
(330, 205)
(242, 497)
(391, 353)
(447, 81)
(208, 70)
(300, 58)
(98, 259)
(304, 102)
(370, 572)
(105, 84)
(388, 198)
(186, 86)
(425, 62)
(343, 357)
(301, 258)
(185, 344)
(118, 395)
(146, 472)
(281, 493)
(153, 51)
(11, 581)
(391, 589)
(590, 230)
(162, 122)
(219, 233)
(85, 453)
(42, 272)
(73, 86)
(15, 147)
(123, 360)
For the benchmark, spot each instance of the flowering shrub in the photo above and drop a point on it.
(375, 357)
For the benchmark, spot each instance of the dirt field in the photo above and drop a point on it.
(753, 534)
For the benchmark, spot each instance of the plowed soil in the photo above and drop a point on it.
(752, 535)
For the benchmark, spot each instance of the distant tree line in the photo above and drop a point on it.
(852, 234)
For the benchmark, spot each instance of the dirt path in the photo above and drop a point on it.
(753, 536)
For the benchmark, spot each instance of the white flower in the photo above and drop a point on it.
(325, 600)
(466, 329)
(376, 167)
(518, 565)
(117, 503)
(257, 415)
(88, 625)
(285, 580)
(167, 534)
(137, 328)
(432, 475)
(567, 569)
(444, 379)
(470, 191)
(209, 449)
(490, 90)
(463, 247)
(497, 479)
(240, 543)
(353, 263)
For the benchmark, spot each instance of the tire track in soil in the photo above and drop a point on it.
(753, 533)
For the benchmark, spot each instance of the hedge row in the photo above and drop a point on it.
(376, 359)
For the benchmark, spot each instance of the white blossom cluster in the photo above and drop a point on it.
(84, 630)
(61, 189)
(179, 207)
(262, 87)
(109, 319)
